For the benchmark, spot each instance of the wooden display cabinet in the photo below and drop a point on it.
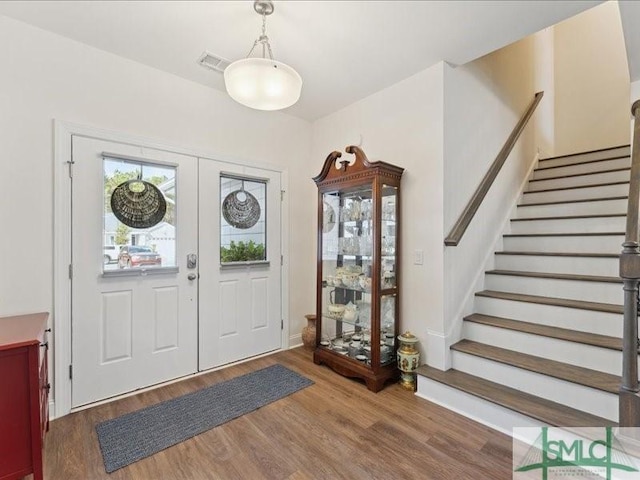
(358, 289)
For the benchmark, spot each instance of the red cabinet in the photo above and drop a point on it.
(24, 394)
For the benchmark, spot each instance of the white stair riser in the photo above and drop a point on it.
(483, 411)
(542, 172)
(580, 180)
(585, 157)
(595, 402)
(601, 292)
(571, 225)
(558, 264)
(588, 156)
(568, 244)
(573, 353)
(571, 318)
(581, 193)
(598, 207)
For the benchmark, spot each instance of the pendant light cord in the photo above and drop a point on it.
(263, 39)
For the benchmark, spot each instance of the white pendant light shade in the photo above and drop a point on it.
(262, 83)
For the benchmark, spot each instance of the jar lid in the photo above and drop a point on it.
(408, 337)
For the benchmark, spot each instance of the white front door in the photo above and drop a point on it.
(134, 318)
(240, 263)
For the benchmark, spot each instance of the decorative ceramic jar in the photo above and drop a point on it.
(309, 332)
(408, 360)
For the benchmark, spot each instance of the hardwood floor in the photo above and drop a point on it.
(335, 429)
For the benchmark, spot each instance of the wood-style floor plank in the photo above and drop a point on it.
(334, 429)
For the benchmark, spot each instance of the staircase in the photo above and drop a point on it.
(544, 344)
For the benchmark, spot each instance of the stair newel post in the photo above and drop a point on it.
(630, 273)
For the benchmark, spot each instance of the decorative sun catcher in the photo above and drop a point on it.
(241, 209)
(138, 204)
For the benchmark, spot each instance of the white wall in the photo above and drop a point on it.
(544, 129)
(402, 125)
(592, 81)
(46, 77)
(482, 104)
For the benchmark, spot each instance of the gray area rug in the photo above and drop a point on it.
(137, 435)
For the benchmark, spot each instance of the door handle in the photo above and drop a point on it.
(192, 276)
(192, 260)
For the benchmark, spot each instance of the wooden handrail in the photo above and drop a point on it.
(629, 396)
(456, 233)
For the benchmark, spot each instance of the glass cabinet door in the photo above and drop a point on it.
(347, 244)
(388, 237)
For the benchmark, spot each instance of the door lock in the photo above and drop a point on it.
(192, 260)
(192, 276)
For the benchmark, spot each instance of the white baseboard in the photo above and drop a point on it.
(295, 340)
(52, 410)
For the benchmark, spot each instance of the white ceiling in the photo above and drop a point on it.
(344, 50)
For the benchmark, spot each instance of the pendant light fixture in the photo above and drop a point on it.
(262, 83)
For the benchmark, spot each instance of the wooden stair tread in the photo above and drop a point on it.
(553, 301)
(543, 410)
(585, 162)
(580, 174)
(556, 276)
(573, 234)
(551, 368)
(582, 200)
(570, 217)
(577, 187)
(593, 339)
(585, 152)
(561, 254)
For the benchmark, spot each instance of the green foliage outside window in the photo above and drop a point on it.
(122, 234)
(242, 252)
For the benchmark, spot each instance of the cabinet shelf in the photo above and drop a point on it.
(345, 355)
(344, 287)
(358, 209)
(356, 323)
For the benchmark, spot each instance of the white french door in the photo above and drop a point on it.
(240, 300)
(150, 313)
(133, 324)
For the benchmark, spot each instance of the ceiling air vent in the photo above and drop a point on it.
(213, 62)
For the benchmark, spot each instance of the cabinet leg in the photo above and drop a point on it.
(374, 385)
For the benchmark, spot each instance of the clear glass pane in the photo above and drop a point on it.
(330, 224)
(388, 237)
(387, 329)
(126, 247)
(243, 226)
(346, 269)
